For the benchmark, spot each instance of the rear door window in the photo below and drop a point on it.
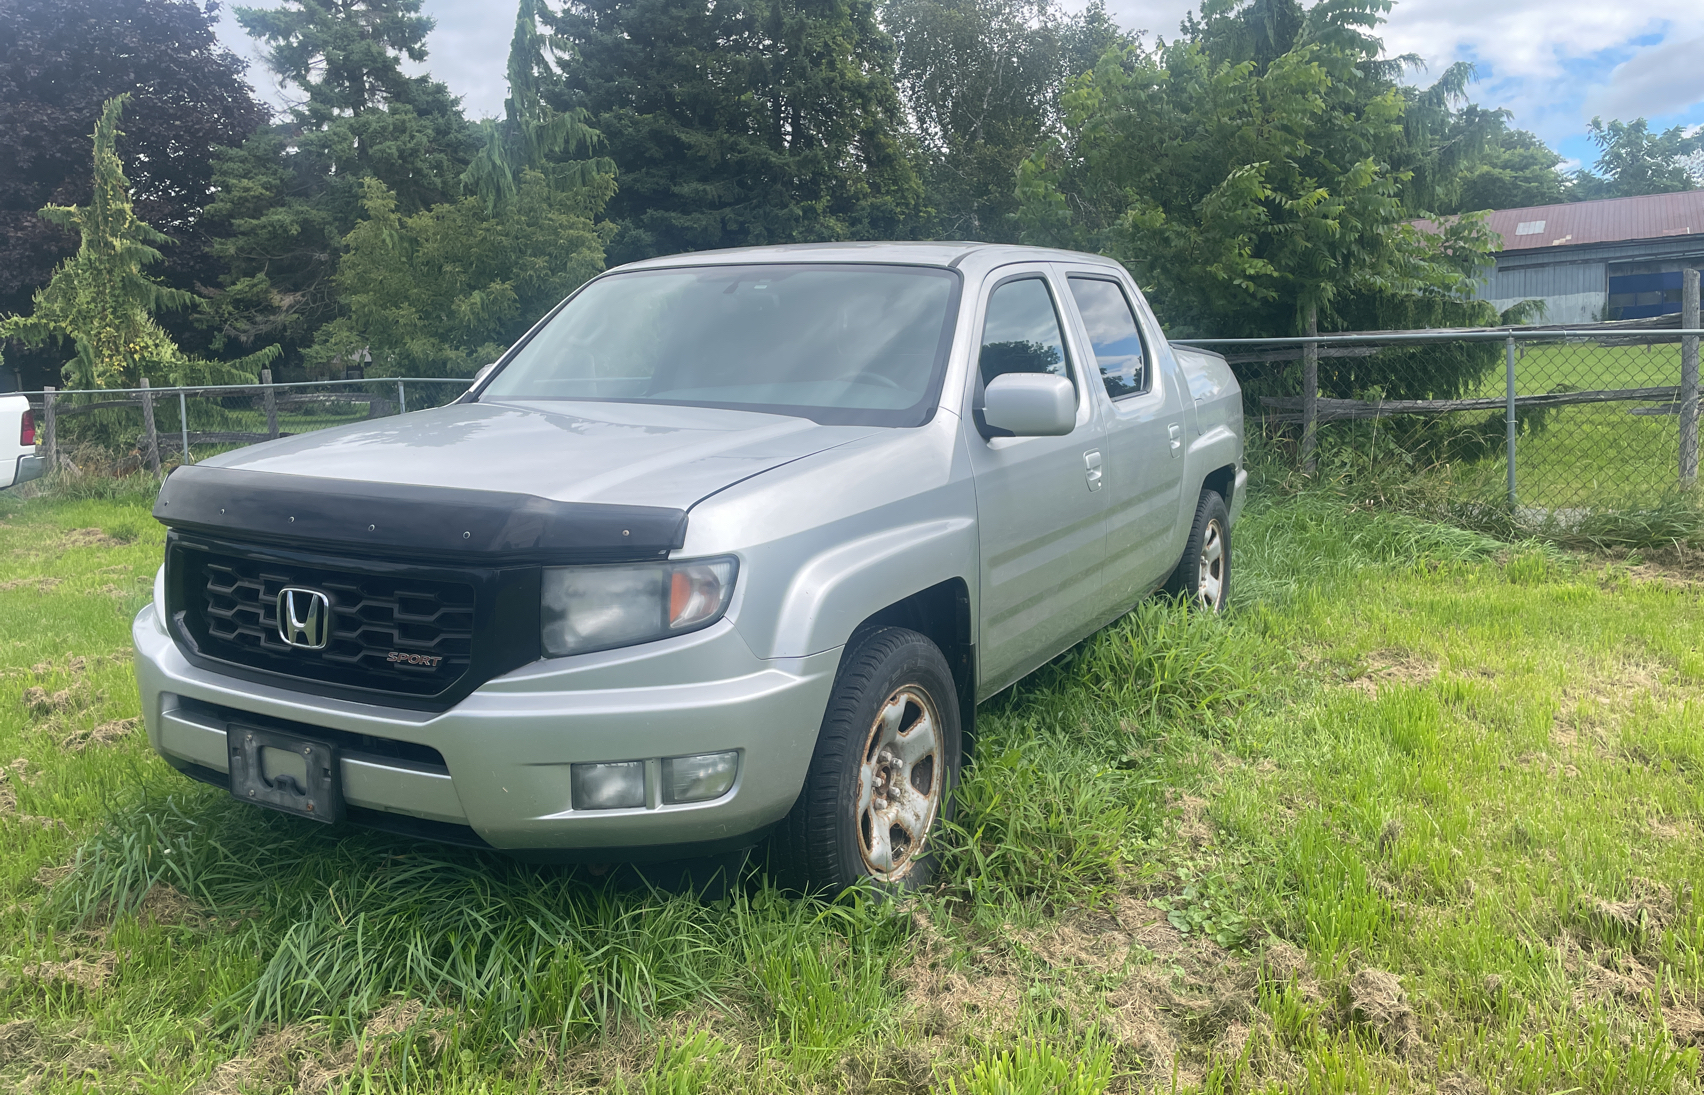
(1116, 338)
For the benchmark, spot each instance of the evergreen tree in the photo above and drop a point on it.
(101, 298)
(290, 194)
(346, 54)
(741, 122)
(444, 291)
(60, 61)
(531, 132)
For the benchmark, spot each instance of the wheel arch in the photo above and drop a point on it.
(1222, 480)
(940, 613)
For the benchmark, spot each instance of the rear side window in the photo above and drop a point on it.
(1114, 334)
(1021, 333)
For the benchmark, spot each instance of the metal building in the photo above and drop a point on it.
(1619, 258)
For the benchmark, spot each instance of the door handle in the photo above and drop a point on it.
(1092, 468)
(1176, 433)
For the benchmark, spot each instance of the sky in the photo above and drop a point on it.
(1554, 63)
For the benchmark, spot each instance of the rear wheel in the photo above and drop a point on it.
(881, 779)
(1203, 575)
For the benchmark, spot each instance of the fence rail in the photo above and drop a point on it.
(1596, 418)
(228, 414)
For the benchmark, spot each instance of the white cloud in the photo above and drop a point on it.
(1662, 79)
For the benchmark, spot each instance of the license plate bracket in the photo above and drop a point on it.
(284, 772)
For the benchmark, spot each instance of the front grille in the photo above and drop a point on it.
(385, 629)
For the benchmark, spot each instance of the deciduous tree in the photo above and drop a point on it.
(1633, 161)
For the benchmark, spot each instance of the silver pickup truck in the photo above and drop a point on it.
(729, 546)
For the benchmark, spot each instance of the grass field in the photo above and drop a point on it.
(1592, 456)
(1426, 813)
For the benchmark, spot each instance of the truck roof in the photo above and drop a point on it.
(946, 253)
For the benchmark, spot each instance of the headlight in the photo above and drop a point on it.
(599, 607)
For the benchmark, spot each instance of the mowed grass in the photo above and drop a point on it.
(1426, 813)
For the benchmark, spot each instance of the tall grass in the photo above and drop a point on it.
(345, 921)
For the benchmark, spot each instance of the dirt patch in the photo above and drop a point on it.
(1193, 828)
(73, 666)
(1649, 907)
(83, 973)
(106, 733)
(1172, 1004)
(302, 1058)
(165, 904)
(1386, 667)
(40, 585)
(88, 537)
(1377, 999)
(17, 1039)
(39, 701)
(1672, 828)
(48, 1058)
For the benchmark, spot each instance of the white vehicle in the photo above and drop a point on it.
(18, 460)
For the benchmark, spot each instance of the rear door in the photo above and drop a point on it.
(1040, 507)
(1145, 433)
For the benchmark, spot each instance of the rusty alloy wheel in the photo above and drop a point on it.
(1210, 581)
(899, 783)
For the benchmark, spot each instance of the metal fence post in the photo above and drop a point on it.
(1509, 381)
(1689, 320)
(401, 399)
(152, 452)
(183, 420)
(269, 399)
(1310, 395)
(50, 434)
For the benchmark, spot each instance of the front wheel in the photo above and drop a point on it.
(881, 779)
(1203, 575)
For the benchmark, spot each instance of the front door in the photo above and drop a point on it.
(1040, 506)
(1144, 439)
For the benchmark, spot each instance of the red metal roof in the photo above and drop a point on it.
(1610, 220)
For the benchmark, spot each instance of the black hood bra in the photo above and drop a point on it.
(444, 523)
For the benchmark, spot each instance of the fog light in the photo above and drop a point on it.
(697, 779)
(619, 785)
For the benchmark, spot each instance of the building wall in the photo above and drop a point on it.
(1573, 292)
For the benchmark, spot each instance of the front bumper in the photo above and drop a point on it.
(507, 748)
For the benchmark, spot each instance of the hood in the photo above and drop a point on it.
(478, 481)
(610, 453)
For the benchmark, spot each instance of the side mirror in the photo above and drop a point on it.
(1030, 404)
(479, 377)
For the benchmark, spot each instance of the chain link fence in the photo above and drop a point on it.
(1550, 427)
(131, 429)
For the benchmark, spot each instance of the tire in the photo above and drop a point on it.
(892, 685)
(1203, 575)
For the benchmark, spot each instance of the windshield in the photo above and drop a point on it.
(851, 344)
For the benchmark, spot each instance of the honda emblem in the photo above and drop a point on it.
(304, 618)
